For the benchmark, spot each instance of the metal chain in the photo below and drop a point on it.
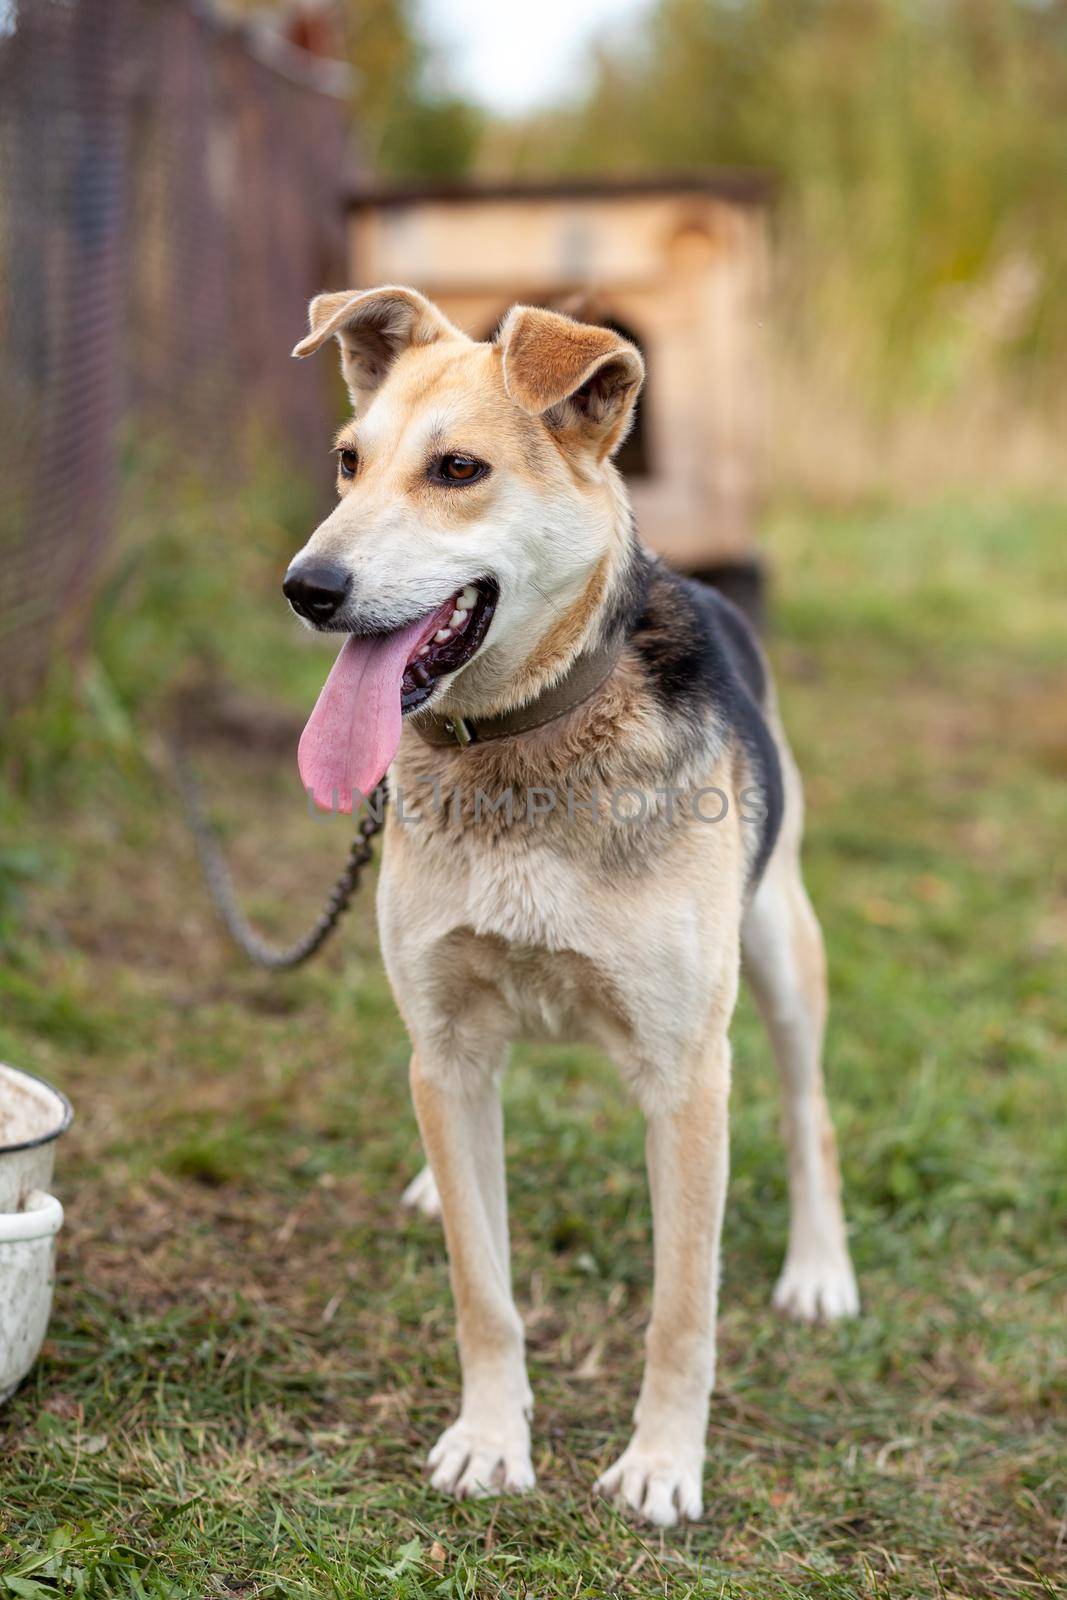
(220, 884)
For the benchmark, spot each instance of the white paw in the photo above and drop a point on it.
(471, 1462)
(661, 1487)
(820, 1289)
(421, 1194)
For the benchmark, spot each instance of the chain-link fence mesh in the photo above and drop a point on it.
(169, 201)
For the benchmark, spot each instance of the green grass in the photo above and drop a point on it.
(251, 1349)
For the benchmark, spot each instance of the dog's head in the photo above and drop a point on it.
(479, 512)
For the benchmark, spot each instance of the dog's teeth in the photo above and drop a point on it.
(424, 649)
(457, 619)
(467, 598)
(442, 635)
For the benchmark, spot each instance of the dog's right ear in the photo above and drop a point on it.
(373, 327)
(583, 380)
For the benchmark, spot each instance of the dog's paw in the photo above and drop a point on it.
(659, 1486)
(421, 1194)
(813, 1290)
(472, 1462)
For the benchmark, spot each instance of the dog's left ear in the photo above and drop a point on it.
(580, 378)
(373, 327)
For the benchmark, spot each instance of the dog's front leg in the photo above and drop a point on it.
(487, 1450)
(659, 1475)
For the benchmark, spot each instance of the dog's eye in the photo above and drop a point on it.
(458, 469)
(349, 461)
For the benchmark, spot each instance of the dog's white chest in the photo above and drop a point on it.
(540, 942)
(512, 920)
(531, 899)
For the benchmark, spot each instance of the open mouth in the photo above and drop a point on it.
(451, 637)
(353, 733)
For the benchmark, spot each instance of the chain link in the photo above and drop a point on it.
(220, 883)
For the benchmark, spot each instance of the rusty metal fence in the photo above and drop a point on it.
(170, 197)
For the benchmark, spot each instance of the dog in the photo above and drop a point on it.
(595, 820)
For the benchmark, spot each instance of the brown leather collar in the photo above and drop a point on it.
(581, 681)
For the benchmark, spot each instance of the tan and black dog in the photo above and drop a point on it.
(595, 820)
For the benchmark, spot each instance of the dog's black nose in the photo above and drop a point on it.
(316, 589)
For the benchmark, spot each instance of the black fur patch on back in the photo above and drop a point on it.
(701, 657)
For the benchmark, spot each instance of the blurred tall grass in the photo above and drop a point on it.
(920, 321)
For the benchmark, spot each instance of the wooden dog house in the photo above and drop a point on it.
(676, 263)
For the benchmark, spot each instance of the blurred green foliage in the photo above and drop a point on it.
(921, 152)
(410, 123)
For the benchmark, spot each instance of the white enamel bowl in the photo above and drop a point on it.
(32, 1116)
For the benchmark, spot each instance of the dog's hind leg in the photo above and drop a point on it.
(785, 963)
(421, 1194)
(487, 1450)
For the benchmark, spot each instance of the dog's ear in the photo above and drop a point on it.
(581, 379)
(373, 327)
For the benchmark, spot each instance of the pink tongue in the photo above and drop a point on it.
(352, 734)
